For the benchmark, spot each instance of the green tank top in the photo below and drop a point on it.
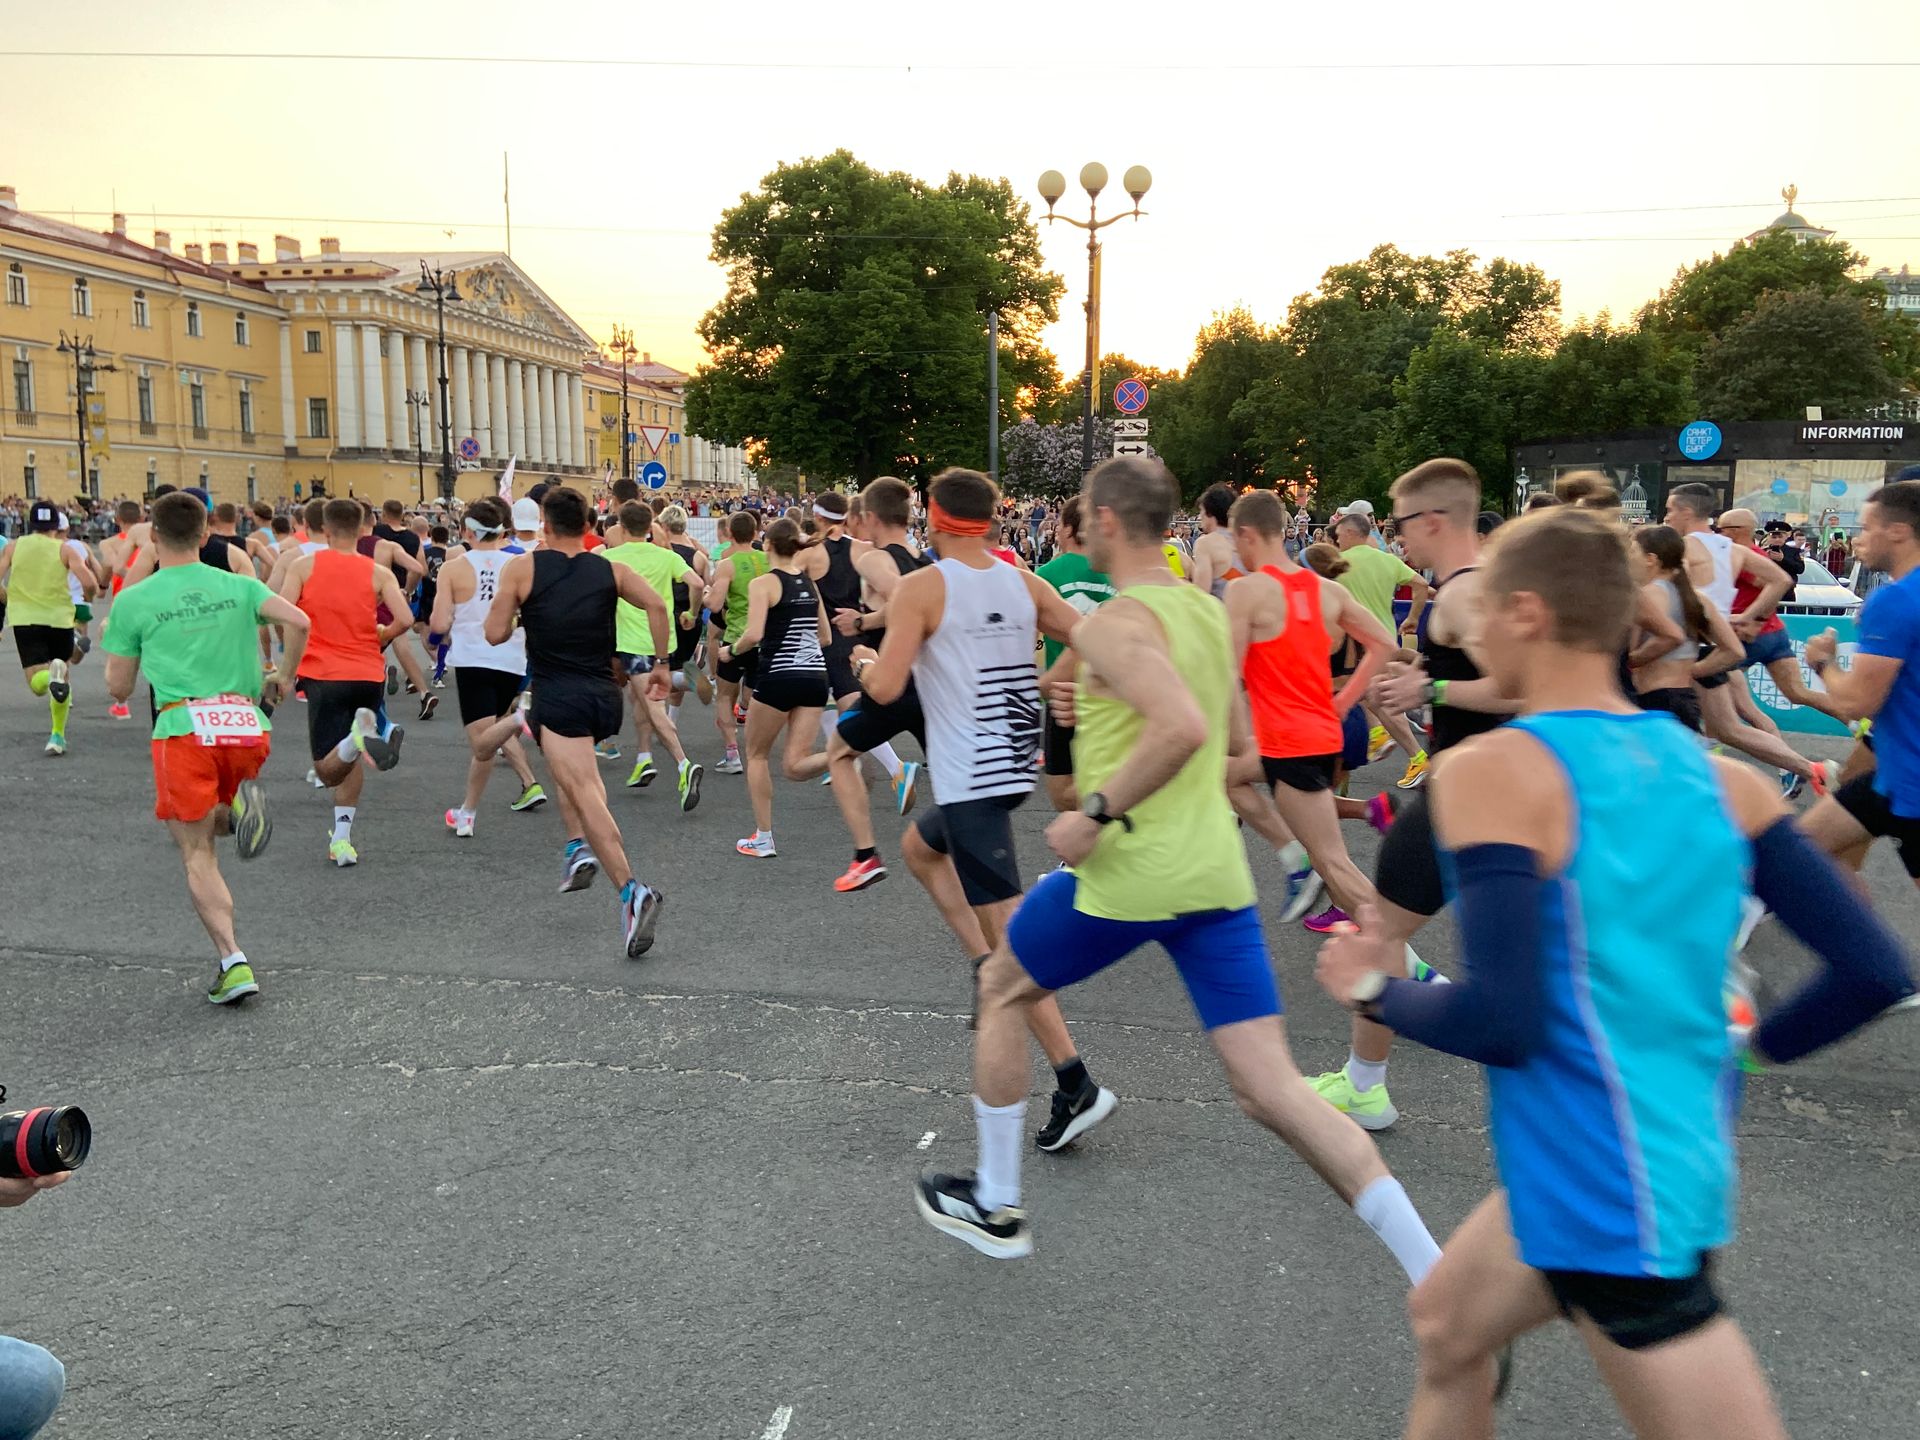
(1184, 853)
(37, 591)
(748, 566)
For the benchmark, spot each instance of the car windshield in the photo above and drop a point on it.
(1816, 574)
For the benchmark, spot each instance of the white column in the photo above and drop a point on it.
(562, 420)
(577, 414)
(346, 390)
(517, 407)
(497, 403)
(417, 381)
(460, 377)
(373, 388)
(482, 405)
(287, 436)
(536, 439)
(399, 435)
(544, 390)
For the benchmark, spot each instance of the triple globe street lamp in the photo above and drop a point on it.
(1093, 179)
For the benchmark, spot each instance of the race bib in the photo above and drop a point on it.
(225, 720)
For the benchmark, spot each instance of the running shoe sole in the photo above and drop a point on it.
(871, 878)
(428, 705)
(254, 827)
(393, 680)
(692, 798)
(384, 750)
(1019, 1247)
(522, 805)
(740, 847)
(238, 992)
(1103, 1105)
(1310, 891)
(910, 790)
(648, 778)
(645, 921)
(579, 877)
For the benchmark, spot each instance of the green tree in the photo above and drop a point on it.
(851, 341)
(1600, 378)
(1796, 348)
(1202, 427)
(1463, 398)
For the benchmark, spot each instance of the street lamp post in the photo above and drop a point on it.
(441, 285)
(418, 402)
(1093, 179)
(84, 367)
(623, 347)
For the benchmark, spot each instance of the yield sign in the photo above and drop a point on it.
(654, 435)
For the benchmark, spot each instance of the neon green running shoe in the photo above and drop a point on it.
(1370, 1109)
(643, 773)
(236, 982)
(690, 774)
(531, 798)
(342, 853)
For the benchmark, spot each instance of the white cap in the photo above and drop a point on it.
(526, 514)
(1358, 507)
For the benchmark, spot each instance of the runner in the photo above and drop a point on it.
(34, 571)
(960, 632)
(664, 570)
(1372, 576)
(1597, 911)
(1215, 561)
(261, 539)
(82, 611)
(390, 544)
(487, 678)
(726, 601)
(344, 591)
(687, 596)
(566, 598)
(1156, 858)
(1086, 589)
(787, 626)
(192, 629)
(1664, 673)
(1768, 645)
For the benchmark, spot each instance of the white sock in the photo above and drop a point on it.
(1365, 1074)
(343, 822)
(237, 958)
(829, 722)
(885, 754)
(997, 1181)
(1294, 856)
(765, 837)
(673, 712)
(644, 755)
(1388, 1212)
(345, 751)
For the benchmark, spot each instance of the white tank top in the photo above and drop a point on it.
(467, 642)
(308, 547)
(978, 686)
(1719, 591)
(74, 587)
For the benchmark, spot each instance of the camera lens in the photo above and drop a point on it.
(44, 1141)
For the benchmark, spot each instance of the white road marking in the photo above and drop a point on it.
(777, 1426)
(926, 1140)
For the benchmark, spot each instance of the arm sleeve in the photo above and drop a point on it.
(1863, 971)
(1494, 1014)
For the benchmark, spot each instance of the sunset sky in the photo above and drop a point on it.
(1279, 143)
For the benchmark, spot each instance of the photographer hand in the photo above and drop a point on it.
(18, 1192)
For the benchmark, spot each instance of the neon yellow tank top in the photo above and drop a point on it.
(749, 565)
(1184, 853)
(37, 591)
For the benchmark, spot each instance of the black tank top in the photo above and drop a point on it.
(682, 596)
(213, 550)
(792, 639)
(569, 618)
(1451, 725)
(840, 586)
(906, 562)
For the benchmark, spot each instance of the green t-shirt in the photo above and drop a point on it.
(194, 631)
(659, 567)
(1079, 584)
(1371, 578)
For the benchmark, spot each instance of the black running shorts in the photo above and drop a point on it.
(1868, 806)
(741, 669)
(330, 707)
(1680, 701)
(791, 690)
(1407, 873)
(869, 724)
(1307, 773)
(978, 835)
(685, 642)
(577, 709)
(1637, 1312)
(485, 694)
(42, 644)
(840, 666)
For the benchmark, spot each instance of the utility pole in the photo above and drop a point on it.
(443, 288)
(84, 368)
(993, 396)
(623, 347)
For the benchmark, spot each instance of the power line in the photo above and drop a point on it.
(1731, 205)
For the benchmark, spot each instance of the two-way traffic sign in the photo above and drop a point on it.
(1131, 447)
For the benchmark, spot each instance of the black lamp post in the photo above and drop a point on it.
(441, 285)
(85, 365)
(417, 403)
(623, 347)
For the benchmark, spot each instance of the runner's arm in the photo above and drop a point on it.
(291, 583)
(1126, 649)
(1728, 649)
(909, 622)
(1774, 583)
(638, 593)
(1201, 567)
(239, 563)
(141, 566)
(394, 598)
(81, 565)
(515, 576)
(1884, 642)
(390, 553)
(441, 620)
(1650, 618)
(1053, 615)
(1360, 623)
(294, 624)
(715, 598)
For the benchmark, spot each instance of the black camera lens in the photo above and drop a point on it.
(44, 1141)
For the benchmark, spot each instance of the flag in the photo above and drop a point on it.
(506, 481)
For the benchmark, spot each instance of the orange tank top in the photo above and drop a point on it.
(1289, 678)
(344, 643)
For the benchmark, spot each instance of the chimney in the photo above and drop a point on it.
(9, 200)
(194, 253)
(645, 358)
(163, 241)
(217, 252)
(249, 254)
(329, 247)
(285, 247)
(119, 224)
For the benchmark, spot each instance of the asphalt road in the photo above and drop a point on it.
(465, 1171)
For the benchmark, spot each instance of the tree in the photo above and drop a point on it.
(1201, 426)
(851, 341)
(1599, 379)
(1797, 348)
(1044, 460)
(1460, 397)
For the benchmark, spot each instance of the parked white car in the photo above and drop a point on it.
(1819, 593)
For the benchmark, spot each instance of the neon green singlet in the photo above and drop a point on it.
(37, 591)
(749, 565)
(1183, 854)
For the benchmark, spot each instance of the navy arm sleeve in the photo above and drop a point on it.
(1864, 969)
(1494, 1014)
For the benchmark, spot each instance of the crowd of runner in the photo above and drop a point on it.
(1553, 689)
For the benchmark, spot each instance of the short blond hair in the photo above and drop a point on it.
(1451, 487)
(674, 517)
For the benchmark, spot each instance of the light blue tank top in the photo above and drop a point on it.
(1615, 1143)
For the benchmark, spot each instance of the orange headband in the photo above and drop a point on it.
(941, 520)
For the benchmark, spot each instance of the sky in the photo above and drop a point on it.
(1608, 146)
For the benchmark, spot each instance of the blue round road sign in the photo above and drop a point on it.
(1130, 396)
(653, 475)
(1700, 440)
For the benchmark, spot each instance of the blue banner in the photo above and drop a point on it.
(1797, 718)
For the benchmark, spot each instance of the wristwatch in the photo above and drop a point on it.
(1094, 807)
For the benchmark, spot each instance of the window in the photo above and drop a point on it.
(31, 475)
(143, 390)
(16, 284)
(313, 342)
(93, 479)
(142, 318)
(317, 418)
(82, 297)
(193, 319)
(23, 386)
(153, 475)
(253, 485)
(197, 401)
(242, 335)
(246, 410)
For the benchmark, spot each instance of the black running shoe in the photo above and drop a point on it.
(428, 704)
(947, 1202)
(1074, 1117)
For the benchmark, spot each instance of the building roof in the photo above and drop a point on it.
(107, 242)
